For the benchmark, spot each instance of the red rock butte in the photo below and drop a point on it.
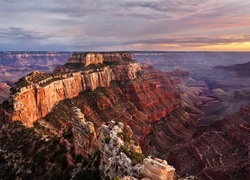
(95, 58)
(35, 95)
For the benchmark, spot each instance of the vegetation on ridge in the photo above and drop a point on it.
(28, 154)
(136, 158)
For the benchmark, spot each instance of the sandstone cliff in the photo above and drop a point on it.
(35, 95)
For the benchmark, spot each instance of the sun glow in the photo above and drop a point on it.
(236, 46)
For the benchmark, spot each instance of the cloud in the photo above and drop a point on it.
(175, 9)
(124, 23)
(23, 34)
(195, 41)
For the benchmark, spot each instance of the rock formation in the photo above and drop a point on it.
(84, 134)
(115, 88)
(113, 140)
(121, 155)
(96, 58)
(150, 104)
(158, 169)
(35, 95)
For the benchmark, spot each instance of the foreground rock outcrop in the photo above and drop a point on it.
(77, 154)
(121, 155)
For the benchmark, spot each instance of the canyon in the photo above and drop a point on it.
(37, 99)
(178, 115)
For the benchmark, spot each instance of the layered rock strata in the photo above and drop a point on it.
(35, 95)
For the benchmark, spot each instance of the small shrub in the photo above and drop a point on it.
(116, 178)
(136, 158)
(107, 139)
(125, 137)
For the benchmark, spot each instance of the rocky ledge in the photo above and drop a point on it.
(121, 155)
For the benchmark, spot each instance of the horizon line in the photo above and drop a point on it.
(72, 51)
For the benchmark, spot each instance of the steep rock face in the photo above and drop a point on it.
(35, 95)
(153, 93)
(84, 134)
(120, 155)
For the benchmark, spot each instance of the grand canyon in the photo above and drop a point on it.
(124, 115)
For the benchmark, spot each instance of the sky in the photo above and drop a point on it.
(121, 25)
